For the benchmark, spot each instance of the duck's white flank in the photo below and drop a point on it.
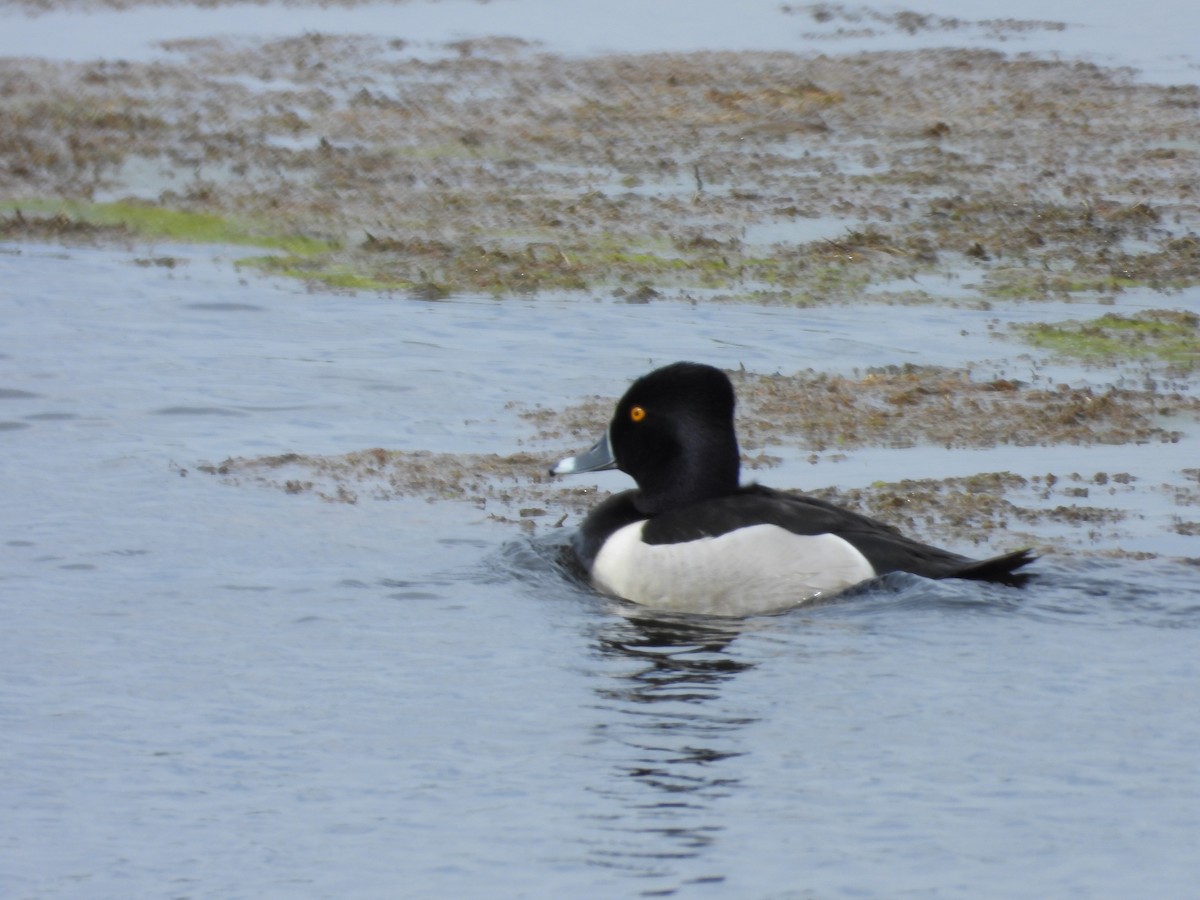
(751, 570)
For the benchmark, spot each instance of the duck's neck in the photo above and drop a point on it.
(711, 469)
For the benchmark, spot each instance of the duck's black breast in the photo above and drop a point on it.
(610, 516)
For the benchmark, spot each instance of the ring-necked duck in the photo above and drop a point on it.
(691, 539)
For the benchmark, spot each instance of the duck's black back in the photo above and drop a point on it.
(884, 547)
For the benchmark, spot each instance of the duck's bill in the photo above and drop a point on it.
(599, 458)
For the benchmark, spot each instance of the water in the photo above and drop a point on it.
(218, 690)
(1156, 37)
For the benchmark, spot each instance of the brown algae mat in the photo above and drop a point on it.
(493, 167)
(822, 416)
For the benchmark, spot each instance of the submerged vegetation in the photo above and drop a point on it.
(1172, 336)
(81, 219)
(824, 417)
(491, 167)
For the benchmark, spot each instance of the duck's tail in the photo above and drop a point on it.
(1000, 569)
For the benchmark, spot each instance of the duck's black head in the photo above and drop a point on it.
(673, 432)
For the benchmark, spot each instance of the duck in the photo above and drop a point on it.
(691, 538)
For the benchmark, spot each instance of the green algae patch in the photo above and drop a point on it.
(45, 218)
(319, 269)
(1172, 336)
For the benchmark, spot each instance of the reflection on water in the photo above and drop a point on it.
(670, 736)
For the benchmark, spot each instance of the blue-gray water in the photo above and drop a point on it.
(218, 690)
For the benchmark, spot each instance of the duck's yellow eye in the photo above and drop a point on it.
(637, 414)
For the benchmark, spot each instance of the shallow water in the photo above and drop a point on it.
(224, 690)
(214, 689)
(1156, 37)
